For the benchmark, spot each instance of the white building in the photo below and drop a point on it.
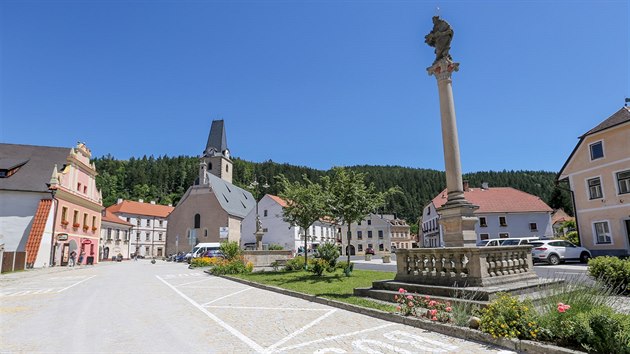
(279, 232)
(115, 236)
(376, 232)
(503, 212)
(148, 234)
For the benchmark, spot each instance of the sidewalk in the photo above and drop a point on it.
(36, 272)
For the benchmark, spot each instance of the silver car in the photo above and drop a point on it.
(556, 251)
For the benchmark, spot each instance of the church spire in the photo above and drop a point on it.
(217, 143)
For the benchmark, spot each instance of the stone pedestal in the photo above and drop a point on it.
(259, 235)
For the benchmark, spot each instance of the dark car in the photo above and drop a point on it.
(369, 250)
(213, 254)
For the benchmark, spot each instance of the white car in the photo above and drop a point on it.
(556, 251)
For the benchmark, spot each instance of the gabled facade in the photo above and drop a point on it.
(503, 212)
(213, 208)
(279, 232)
(149, 224)
(49, 203)
(598, 174)
(375, 231)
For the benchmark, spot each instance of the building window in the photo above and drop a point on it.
(380, 234)
(504, 235)
(359, 223)
(197, 221)
(360, 247)
(148, 222)
(128, 219)
(117, 235)
(64, 215)
(482, 222)
(138, 222)
(623, 182)
(161, 223)
(265, 213)
(502, 221)
(602, 232)
(428, 211)
(381, 247)
(126, 233)
(205, 232)
(137, 236)
(79, 186)
(370, 245)
(369, 222)
(93, 221)
(146, 250)
(597, 150)
(533, 226)
(75, 218)
(109, 233)
(595, 188)
(359, 235)
(227, 168)
(369, 233)
(159, 252)
(146, 237)
(160, 236)
(484, 236)
(85, 189)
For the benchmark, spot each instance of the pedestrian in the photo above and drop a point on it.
(73, 254)
(81, 256)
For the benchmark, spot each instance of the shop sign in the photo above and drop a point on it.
(62, 237)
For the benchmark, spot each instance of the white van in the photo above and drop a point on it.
(202, 248)
(510, 241)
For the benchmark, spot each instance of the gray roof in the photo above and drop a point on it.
(621, 116)
(35, 173)
(217, 142)
(234, 200)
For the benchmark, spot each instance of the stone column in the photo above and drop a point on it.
(456, 216)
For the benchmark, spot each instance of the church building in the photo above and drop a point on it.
(212, 209)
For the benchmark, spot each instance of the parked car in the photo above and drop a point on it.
(489, 243)
(213, 254)
(369, 250)
(518, 241)
(556, 251)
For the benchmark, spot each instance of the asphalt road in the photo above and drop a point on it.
(139, 307)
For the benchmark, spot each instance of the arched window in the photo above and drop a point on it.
(227, 168)
(209, 166)
(197, 221)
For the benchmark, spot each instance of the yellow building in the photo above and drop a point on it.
(598, 173)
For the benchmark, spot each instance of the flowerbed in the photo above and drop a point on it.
(589, 324)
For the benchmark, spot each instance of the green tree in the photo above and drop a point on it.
(306, 203)
(350, 200)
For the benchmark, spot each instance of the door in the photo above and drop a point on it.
(571, 251)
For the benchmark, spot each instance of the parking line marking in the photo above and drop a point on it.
(335, 337)
(223, 297)
(226, 326)
(264, 308)
(193, 282)
(77, 283)
(301, 330)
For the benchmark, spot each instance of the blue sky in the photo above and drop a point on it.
(314, 83)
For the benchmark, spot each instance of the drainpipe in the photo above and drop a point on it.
(55, 202)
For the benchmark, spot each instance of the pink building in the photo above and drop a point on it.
(78, 209)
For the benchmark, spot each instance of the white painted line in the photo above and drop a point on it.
(226, 296)
(213, 287)
(335, 337)
(301, 330)
(193, 282)
(264, 308)
(226, 326)
(77, 283)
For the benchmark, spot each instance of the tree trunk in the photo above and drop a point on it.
(305, 248)
(348, 251)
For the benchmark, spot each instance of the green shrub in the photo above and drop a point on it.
(328, 252)
(230, 250)
(613, 271)
(236, 265)
(507, 317)
(318, 266)
(205, 261)
(572, 237)
(274, 247)
(296, 263)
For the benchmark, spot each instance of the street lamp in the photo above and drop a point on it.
(256, 189)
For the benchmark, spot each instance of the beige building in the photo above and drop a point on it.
(378, 232)
(213, 208)
(598, 173)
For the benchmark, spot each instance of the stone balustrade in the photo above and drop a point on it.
(465, 266)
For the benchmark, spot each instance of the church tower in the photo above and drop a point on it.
(216, 156)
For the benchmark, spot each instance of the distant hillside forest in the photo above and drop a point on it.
(165, 179)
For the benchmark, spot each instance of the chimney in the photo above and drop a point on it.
(153, 202)
(465, 185)
(485, 185)
(119, 201)
(141, 200)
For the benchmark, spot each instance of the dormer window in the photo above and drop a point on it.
(597, 150)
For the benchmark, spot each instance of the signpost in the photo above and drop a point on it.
(224, 232)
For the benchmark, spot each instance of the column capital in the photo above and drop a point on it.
(442, 69)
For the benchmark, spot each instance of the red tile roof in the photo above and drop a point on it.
(278, 200)
(37, 230)
(499, 200)
(111, 217)
(137, 208)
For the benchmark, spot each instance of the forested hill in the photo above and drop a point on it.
(165, 179)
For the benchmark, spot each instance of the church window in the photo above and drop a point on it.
(197, 221)
(210, 165)
(227, 168)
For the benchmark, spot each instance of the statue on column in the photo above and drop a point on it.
(440, 38)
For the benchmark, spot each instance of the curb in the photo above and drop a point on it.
(522, 346)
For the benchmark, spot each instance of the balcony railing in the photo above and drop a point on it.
(465, 266)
